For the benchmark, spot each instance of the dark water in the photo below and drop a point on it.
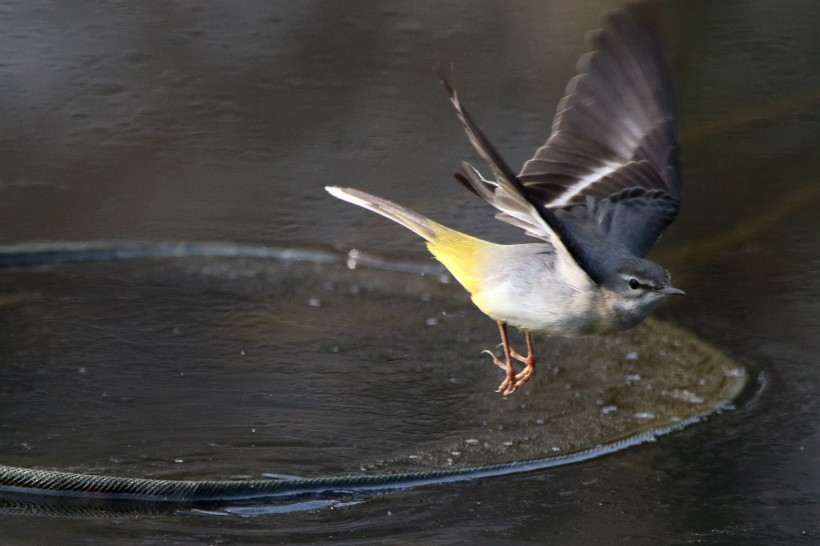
(209, 122)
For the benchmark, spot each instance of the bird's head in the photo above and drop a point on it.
(640, 284)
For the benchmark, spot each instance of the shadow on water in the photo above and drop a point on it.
(177, 122)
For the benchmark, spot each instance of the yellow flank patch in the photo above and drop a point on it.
(461, 254)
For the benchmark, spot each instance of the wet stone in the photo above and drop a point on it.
(332, 369)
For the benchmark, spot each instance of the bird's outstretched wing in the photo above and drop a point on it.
(614, 145)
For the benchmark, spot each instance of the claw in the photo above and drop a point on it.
(495, 359)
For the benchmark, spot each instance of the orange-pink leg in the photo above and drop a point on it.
(513, 380)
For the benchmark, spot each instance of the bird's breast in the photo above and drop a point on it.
(536, 299)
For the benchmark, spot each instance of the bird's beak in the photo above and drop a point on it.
(671, 291)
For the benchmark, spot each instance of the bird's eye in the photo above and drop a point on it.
(634, 284)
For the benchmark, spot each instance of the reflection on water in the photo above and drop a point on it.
(198, 122)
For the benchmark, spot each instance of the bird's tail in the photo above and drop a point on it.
(462, 254)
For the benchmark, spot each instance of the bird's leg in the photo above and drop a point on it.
(503, 365)
(529, 362)
(508, 385)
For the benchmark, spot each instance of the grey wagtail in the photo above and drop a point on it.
(598, 194)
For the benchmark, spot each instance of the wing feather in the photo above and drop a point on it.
(609, 171)
(615, 129)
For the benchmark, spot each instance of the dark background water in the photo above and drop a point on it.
(206, 121)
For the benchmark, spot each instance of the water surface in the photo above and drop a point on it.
(203, 122)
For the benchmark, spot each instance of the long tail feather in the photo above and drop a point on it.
(415, 222)
(463, 255)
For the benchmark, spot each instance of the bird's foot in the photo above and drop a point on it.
(524, 375)
(507, 387)
(529, 366)
(508, 369)
(513, 381)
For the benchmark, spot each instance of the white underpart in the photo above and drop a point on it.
(583, 184)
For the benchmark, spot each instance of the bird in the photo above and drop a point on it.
(597, 194)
